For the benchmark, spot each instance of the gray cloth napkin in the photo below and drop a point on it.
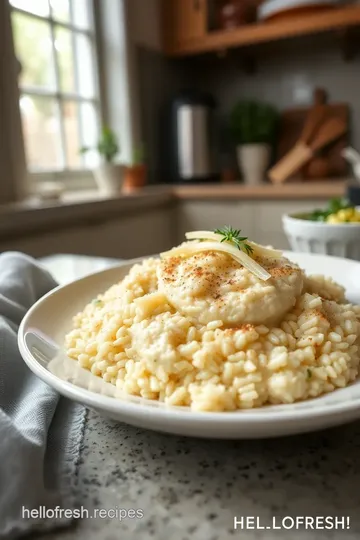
(40, 433)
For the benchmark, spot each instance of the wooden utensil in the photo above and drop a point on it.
(313, 120)
(292, 126)
(315, 116)
(328, 132)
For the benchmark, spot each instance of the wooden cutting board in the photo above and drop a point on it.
(329, 163)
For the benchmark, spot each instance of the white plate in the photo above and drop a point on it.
(41, 337)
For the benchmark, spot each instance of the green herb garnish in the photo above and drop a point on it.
(333, 207)
(97, 302)
(234, 236)
(309, 373)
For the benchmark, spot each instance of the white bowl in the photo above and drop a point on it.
(41, 342)
(337, 239)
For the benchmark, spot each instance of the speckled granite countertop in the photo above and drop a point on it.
(192, 489)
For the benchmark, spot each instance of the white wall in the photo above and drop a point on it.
(141, 29)
(145, 21)
(12, 156)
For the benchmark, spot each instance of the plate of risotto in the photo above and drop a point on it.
(218, 337)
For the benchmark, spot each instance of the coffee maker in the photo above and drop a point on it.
(192, 141)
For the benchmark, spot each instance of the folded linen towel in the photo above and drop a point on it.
(40, 433)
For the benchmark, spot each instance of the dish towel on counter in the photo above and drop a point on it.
(40, 433)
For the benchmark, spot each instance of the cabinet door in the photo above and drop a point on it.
(268, 224)
(146, 233)
(209, 215)
(183, 20)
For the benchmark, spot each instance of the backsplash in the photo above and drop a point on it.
(286, 74)
(283, 72)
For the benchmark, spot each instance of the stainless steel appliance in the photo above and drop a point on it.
(193, 157)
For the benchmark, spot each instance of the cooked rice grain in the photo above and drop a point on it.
(132, 338)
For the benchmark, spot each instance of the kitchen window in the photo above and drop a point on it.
(55, 45)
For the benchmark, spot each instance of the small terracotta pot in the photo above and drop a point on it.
(134, 178)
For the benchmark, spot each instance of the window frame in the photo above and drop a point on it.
(119, 102)
(69, 176)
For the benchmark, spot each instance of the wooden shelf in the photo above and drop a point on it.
(325, 21)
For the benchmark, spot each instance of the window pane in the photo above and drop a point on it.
(71, 124)
(89, 132)
(81, 13)
(64, 53)
(39, 7)
(60, 10)
(34, 50)
(84, 58)
(41, 132)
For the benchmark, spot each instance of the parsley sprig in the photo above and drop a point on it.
(234, 236)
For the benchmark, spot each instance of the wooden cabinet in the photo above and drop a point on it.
(209, 215)
(183, 22)
(155, 230)
(260, 220)
(133, 236)
(187, 27)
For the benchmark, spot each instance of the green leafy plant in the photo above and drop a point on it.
(234, 236)
(334, 205)
(253, 123)
(138, 155)
(107, 146)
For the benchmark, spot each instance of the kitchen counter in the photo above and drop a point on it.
(78, 207)
(164, 193)
(90, 208)
(191, 489)
(30, 217)
(291, 191)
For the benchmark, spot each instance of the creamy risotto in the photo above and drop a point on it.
(198, 328)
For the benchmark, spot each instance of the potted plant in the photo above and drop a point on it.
(253, 126)
(108, 175)
(135, 174)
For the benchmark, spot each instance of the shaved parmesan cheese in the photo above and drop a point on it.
(259, 250)
(189, 248)
(203, 235)
(264, 251)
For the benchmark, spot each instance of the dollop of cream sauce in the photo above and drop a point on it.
(209, 286)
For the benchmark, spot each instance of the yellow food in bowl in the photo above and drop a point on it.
(346, 215)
